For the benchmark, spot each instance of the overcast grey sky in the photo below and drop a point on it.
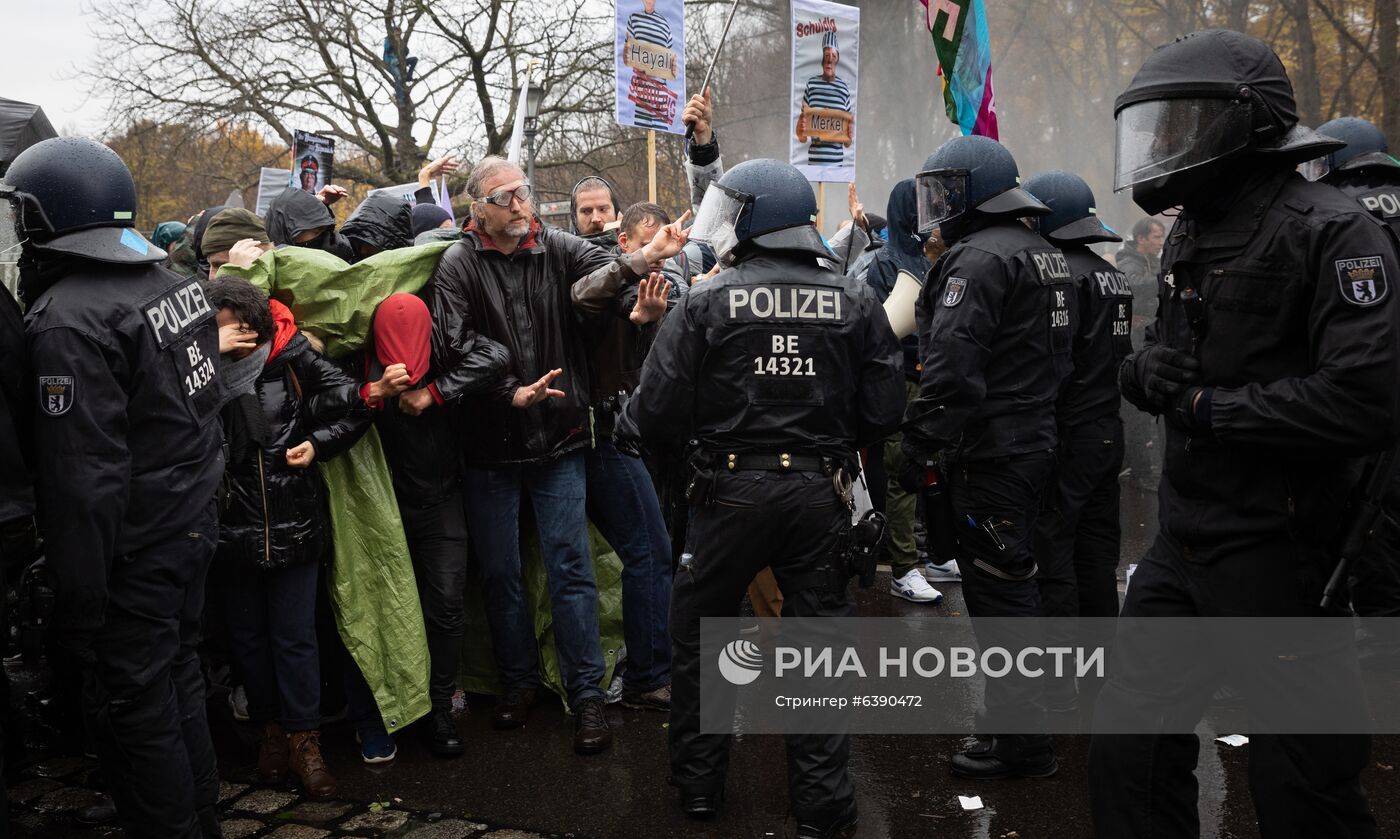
(45, 41)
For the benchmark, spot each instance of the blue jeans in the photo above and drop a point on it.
(272, 628)
(556, 491)
(622, 505)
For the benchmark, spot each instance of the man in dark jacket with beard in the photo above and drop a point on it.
(509, 280)
(1273, 360)
(381, 223)
(125, 398)
(296, 217)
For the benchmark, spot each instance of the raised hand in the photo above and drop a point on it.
(539, 391)
(652, 293)
(667, 242)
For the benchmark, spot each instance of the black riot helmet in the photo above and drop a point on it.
(1365, 146)
(1198, 103)
(759, 205)
(970, 177)
(75, 196)
(1073, 218)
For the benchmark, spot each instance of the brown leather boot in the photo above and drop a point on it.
(272, 755)
(310, 768)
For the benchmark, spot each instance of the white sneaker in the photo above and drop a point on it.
(913, 587)
(944, 572)
(238, 703)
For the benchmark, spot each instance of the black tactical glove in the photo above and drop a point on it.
(1154, 378)
(912, 474)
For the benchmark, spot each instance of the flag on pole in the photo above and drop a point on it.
(959, 32)
(517, 135)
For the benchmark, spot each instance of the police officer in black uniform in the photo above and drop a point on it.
(124, 370)
(1274, 360)
(777, 371)
(1362, 169)
(995, 335)
(1365, 170)
(1077, 534)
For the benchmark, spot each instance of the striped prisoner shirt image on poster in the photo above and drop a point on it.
(650, 27)
(827, 91)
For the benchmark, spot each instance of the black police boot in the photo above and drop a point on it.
(839, 823)
(702, 806)
(992, 758)
(443, 740)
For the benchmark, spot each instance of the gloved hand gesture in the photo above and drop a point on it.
(1155, 377)
(912, 473)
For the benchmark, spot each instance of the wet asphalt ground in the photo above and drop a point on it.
(529, 782)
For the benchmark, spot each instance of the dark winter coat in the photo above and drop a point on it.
(274, 515)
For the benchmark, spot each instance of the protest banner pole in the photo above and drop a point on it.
(709, 71)
(651, 165)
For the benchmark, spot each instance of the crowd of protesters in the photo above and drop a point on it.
(491, 389)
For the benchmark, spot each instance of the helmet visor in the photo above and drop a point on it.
(1316, 169)
(1163, 136)
(718, 218)
(940, 194)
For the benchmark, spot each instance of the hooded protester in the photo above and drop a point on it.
(298, 218)
(166, 233)
(423, 449)
(181, 258)
(195, 230)
(381, 223)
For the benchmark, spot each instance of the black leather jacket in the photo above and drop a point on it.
(523, 301)
(274, 514)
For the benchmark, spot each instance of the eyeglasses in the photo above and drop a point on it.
(502, 198)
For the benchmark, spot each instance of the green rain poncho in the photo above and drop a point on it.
(372, 585)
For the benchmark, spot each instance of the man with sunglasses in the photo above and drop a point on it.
(510, 279)
(995, 336)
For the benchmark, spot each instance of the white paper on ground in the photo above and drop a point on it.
(970, 802)
(1233, 739)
